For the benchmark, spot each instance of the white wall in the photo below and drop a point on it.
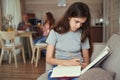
(39, 7)
(0, 16)
(111, 18)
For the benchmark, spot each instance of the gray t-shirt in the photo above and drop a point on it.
(67, 45)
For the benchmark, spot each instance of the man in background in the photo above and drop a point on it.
(25, 24)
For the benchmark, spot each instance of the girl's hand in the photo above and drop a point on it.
(84, 65)
(72, 62)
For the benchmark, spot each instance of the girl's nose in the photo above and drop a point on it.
(78, 25)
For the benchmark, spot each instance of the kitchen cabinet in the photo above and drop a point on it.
(97, 34)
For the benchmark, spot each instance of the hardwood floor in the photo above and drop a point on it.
(26, 71)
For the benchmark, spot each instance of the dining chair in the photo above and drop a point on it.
(9, 45)
(35, 48)
(37, 52)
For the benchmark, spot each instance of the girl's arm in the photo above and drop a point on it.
(85, 58)
(51, 60)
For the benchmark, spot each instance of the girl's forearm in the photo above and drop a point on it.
(86, 57)
(54, 61)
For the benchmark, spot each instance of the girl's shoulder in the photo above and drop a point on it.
(52, 31)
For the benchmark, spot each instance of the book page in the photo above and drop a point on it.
(66, 71)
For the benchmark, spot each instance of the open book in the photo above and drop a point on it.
(66, 71)
(74, 71)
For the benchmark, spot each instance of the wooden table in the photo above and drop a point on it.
(28, 35)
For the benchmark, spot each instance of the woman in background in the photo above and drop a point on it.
(49, 23)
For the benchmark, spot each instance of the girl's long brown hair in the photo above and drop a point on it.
(50, 18)
(78, 10)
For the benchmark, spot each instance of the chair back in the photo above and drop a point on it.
(7, 37)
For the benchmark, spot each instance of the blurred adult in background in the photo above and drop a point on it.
(24, 24)
(46, 27)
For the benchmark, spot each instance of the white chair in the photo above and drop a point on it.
(37, 52)
(9, 45)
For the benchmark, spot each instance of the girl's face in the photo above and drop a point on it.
(76, 23)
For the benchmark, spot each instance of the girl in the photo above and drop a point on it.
(69, 40)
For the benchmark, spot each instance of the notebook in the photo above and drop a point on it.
(74, 71)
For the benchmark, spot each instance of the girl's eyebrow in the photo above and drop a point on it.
(79, 21)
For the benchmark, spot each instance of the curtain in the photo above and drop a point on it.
(12, 7)
(0, 15)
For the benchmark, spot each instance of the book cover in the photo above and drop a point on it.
(102, 56)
